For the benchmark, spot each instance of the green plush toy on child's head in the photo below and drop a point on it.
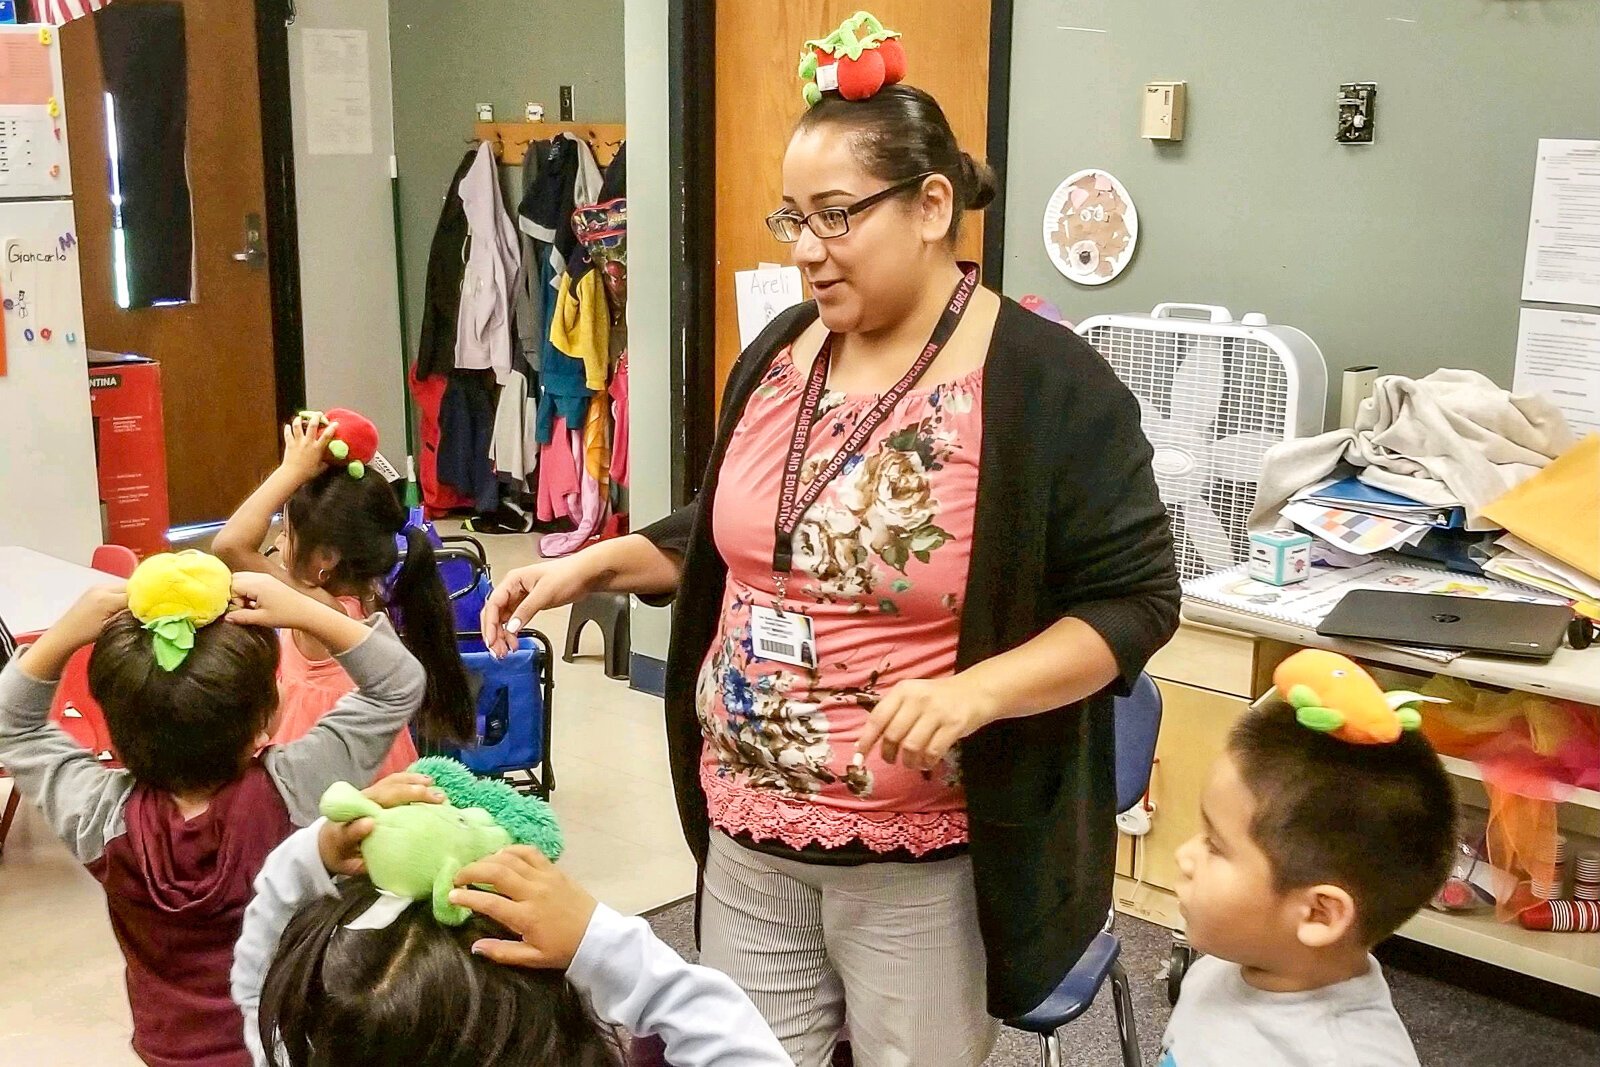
(415, 850)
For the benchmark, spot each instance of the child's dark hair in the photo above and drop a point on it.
(413, 993)
(356, 520)
(1377, 820)
(193, 728)
(901, 132)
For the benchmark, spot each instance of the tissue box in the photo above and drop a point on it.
(1280, 557)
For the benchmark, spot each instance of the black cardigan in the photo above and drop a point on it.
(1068, 523)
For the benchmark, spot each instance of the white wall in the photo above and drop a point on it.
(649, 258)
(349, 287)
(49, 500)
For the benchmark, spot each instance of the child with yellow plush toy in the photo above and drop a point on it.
(183, 665)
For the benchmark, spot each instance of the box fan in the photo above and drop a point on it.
(1215, 394)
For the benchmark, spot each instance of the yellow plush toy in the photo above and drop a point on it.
(174, 594)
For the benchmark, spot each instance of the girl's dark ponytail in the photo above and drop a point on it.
(355, 521)
(428, 628)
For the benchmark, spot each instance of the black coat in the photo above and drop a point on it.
(1068, 524)
(441, 293)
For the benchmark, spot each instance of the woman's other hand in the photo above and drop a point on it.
(919, 721)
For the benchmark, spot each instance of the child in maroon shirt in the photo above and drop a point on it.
(178, 838)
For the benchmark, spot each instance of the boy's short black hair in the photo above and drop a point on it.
(193, 728)
(1377, 820)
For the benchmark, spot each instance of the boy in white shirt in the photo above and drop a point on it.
(1312, 850)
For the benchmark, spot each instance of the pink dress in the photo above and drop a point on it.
(880, 566)
(308, 689)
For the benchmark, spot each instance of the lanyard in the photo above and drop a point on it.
(792, 502)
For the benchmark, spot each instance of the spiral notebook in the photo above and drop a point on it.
(1307, 603)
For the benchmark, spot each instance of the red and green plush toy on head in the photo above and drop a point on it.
(856, 60)
(354, 443)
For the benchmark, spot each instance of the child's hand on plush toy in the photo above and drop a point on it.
(305, 445)
(531, 897)
(340, 842)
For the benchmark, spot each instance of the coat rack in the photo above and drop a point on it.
(510, 140)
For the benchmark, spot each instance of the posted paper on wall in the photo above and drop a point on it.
(1563, 260)
(338, 92)
(1558, 353)
(761, 295)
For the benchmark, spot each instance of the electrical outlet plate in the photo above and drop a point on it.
(485, 112)
(1358, 110)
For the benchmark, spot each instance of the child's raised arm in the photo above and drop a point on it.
(82, 801)
(350, 742)
(239, 542)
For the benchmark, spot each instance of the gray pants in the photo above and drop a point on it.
(891, 949)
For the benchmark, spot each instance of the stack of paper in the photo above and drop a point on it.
(1521, 562)
(1347, 491)
(1354, 517)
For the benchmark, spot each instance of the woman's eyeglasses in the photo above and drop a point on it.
(831, 222)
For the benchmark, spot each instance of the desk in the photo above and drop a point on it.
(1222, 659)
(1569, 675)
(36, 589)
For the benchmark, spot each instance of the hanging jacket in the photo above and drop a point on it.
(568, 176)
(441, 294)
(531, 297)
(581, 327)
(466, 428)
(483, 327)
(439, 497)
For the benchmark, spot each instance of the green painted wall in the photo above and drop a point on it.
(448, 58)
(1406, 253)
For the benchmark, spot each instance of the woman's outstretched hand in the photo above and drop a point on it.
(526, 591)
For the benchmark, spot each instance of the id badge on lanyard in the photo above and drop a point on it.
(790, 637)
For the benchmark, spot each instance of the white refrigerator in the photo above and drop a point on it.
(49, 499)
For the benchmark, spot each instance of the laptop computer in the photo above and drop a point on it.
(1461, 623)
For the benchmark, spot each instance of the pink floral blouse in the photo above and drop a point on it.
(880, 566)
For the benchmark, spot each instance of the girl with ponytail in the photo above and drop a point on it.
(338, 544)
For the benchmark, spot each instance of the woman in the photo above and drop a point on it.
(987, 566)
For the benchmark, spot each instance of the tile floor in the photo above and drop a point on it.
(62, 1002)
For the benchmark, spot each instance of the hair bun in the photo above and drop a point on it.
(978, 182)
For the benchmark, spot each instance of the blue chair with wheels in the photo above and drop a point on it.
(1138, 721)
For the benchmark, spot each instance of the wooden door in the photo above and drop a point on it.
(758, 102)
(218, 377)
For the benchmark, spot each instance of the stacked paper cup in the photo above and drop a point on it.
(1549, 875)
(1586, 876)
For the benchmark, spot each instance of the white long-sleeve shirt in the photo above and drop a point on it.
(483, 324)
(630, 976)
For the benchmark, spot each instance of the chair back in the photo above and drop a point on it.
(1138, 722)
(118, 560)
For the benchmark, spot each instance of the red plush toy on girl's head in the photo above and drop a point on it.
(354, 443)
(856, 60)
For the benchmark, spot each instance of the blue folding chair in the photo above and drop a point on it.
(1138, 721)
(514, 695)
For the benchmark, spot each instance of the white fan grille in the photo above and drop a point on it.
(1252, 404)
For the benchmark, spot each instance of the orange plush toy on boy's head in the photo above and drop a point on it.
(1332, 694)
(355, 442)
